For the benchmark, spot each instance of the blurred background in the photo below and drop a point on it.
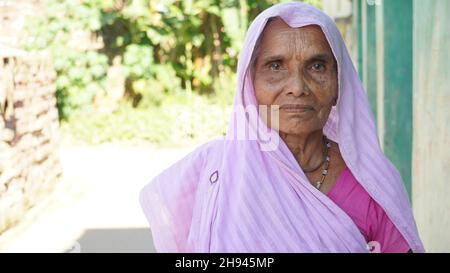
(99, 96)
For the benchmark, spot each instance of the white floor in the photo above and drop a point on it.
(95, 208)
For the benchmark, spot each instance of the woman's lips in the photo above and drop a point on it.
(296, 108)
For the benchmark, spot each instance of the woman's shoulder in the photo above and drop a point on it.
(208, 151)
(196, 160)
(186, 172)
(212, 146)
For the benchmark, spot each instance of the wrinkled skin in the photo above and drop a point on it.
(295, 69)
(296, 66)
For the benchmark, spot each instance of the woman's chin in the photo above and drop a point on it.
(296, 130)
(298, 125)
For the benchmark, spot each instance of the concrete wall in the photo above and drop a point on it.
(431, 134)
(403, 58)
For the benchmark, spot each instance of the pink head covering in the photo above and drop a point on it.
(237, 196)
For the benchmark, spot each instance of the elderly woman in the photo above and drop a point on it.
(311, 179)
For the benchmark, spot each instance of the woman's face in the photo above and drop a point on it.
(295, 69)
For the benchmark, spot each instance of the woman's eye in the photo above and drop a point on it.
(275, 66)
(318, 67)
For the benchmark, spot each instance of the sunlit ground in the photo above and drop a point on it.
(107, 158)
(95, 208)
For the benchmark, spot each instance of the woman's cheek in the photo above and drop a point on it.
(275, 83)
(265, 94)
(324, 89)
(274, 86)
(319, 81)
(268, 91)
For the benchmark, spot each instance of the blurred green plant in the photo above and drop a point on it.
(174, 124)
(81, 72)
(171, 51)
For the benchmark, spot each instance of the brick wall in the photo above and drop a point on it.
(29, 161)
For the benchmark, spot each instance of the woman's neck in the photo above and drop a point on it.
(307, 149)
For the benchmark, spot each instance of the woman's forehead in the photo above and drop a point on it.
(280, 37)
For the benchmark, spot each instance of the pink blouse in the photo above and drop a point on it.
(368, 216)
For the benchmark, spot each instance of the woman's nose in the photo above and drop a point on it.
(297, 86)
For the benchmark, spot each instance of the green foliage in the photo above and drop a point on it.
(181, 120)
(138, 59)
(81, 72)
(171, 124)
(172, 51)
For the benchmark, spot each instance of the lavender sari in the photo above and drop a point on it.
(235, 195)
